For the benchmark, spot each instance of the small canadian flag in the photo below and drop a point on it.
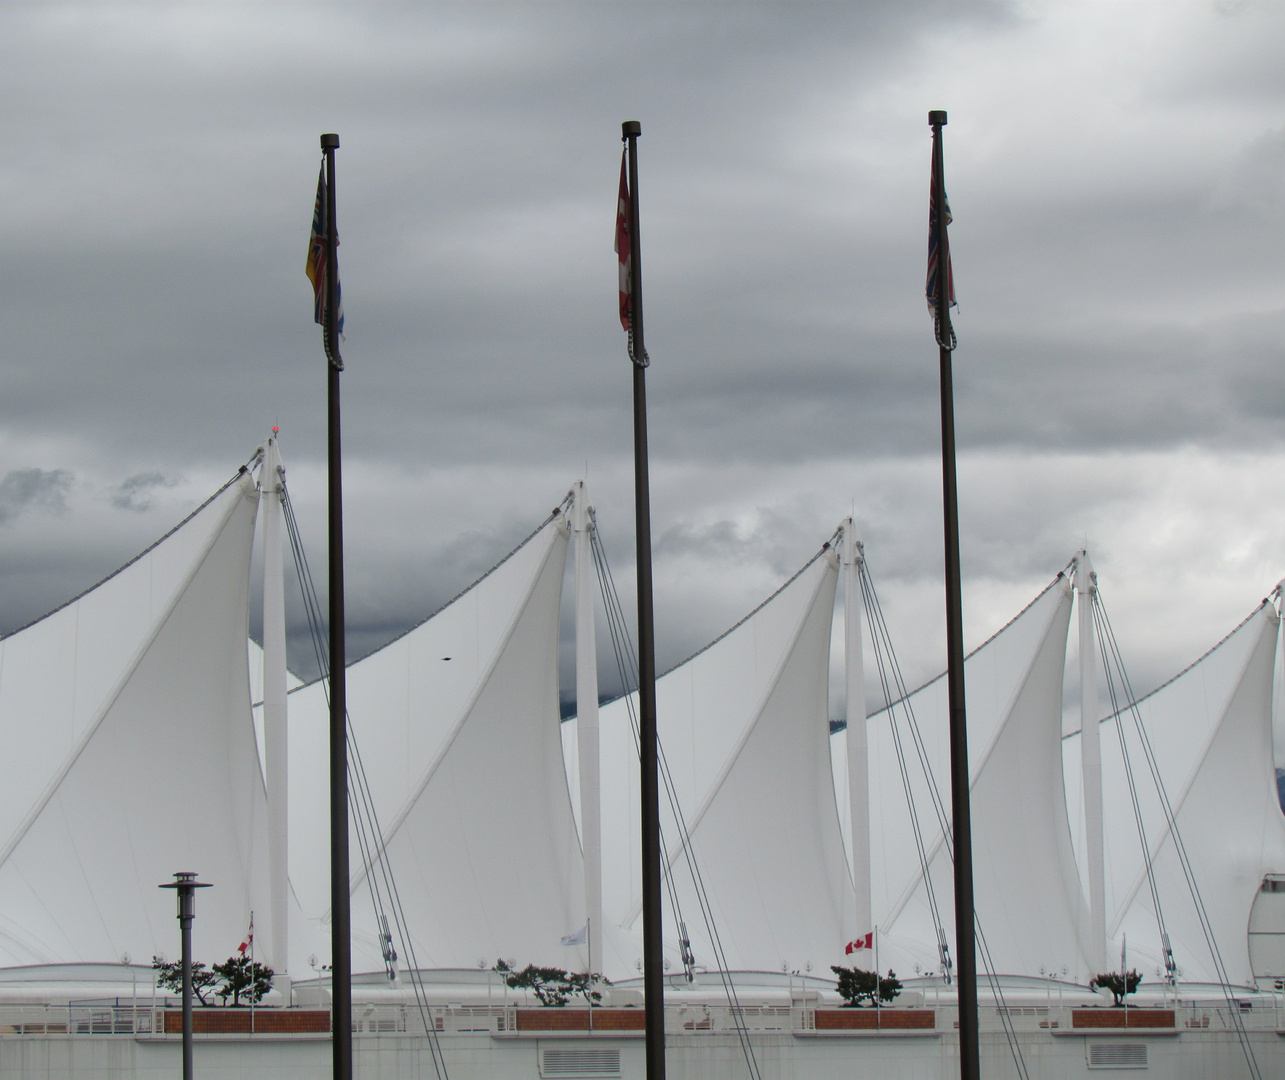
(249, 937)
(867, 942)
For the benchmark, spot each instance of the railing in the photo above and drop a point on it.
(138, 1019)
(150, 1020)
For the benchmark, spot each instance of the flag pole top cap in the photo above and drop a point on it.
(185, 879)
(331, 142)
(630, 127)
(937, 118)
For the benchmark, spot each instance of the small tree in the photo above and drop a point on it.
(1119, 985)
(857, 987)
(170, 977)
(551, 986)
(241, 975)
(583, 984)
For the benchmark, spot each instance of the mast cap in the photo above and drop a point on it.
(937, 118)
(330, 142)
(630, 127)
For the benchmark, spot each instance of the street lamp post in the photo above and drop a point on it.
(185, 885)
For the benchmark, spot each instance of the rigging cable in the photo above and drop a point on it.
(627, 666)
(1171, 826)
(886, 663)
(626, 661)
(362, 805)
(890, 668)
(1104, 651)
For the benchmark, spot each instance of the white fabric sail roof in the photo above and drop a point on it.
(118, 772)
(130, 755)
(458, 724)
(1211, 731)
(1026, 887)
(744, 727)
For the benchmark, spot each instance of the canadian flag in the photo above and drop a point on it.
(867, 942)
(249, 937)
(623, 247)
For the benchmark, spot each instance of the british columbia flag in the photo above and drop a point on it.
(623, 247)
(315, 267)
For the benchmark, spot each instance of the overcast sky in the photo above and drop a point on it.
(1116, 172)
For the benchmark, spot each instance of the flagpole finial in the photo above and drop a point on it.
(630, 127)
(937, 118)
(330, 142)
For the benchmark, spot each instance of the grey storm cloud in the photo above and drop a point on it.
(1115, 176)
(135, 492)
(26, 489)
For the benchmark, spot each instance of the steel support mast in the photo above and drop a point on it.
(582, 525)
(275, 733)
(852, 555)
(961, 823)
(1086, 587)
(340, 897)
(653, 956)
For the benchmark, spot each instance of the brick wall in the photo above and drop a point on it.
(1119, 1018)
(237, 1021)
(876, 1019)
(554, 1019)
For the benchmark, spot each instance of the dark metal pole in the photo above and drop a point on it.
(653, 956)
(186, 913)
(340, 907)
(185, 886)
(961, 828)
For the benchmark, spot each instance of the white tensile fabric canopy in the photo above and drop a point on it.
(1026, 888)
(1210, 730)
(130, 755)
(744, 728)
(457, 723)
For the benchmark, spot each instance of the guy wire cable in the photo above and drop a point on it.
(626, 659)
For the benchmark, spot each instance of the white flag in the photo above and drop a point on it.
(578, 938)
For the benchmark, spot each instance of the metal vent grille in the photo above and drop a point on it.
(1117, 1055)
(575, 1061)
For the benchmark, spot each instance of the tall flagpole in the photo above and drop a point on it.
(653, 974)
(340, 910)
(961, 828)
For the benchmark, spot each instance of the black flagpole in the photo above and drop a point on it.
(961, 828)
(340, 909)
(653, 957)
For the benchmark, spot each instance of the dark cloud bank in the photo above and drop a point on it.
(157, 320)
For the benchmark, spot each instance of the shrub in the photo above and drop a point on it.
(238, 976)
(858, 987)
(552, 986)
(1118, 984)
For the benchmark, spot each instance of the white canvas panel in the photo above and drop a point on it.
(58, 674)
(166, 779)
(1026, 886)
(703, 707)
(486, 854)
(1180, 717)
(1226, 808)
(403, 701)
(1013, 685)
(767, 840)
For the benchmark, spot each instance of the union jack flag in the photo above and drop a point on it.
(932, 251)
